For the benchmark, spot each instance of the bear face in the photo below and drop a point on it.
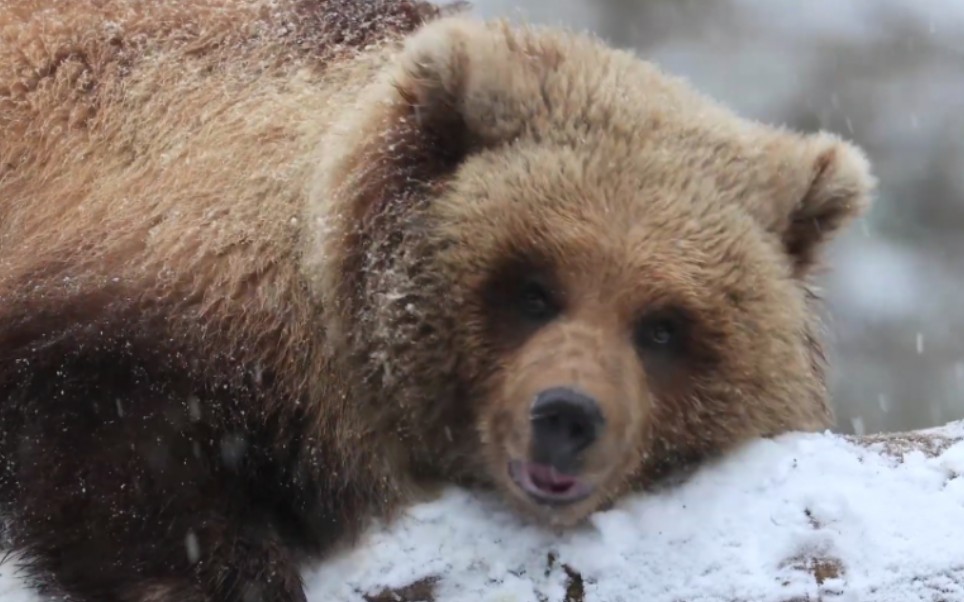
(578, 269)
(632, 323)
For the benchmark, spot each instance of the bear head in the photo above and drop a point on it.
(548, 266)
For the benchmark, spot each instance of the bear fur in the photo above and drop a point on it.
(267, 270)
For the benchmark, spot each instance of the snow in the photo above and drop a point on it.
(882, 521)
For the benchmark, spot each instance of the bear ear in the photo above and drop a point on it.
(466, 85)
(832, 184)
(455, 87)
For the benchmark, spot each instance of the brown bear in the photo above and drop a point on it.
(270, 268)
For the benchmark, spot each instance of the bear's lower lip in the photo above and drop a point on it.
(547, 486)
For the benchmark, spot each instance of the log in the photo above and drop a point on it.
(802, 517)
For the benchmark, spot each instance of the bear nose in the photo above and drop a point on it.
(564, 423)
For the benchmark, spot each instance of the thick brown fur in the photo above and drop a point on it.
(259, 266)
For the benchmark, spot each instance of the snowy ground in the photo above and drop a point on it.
(804, 517)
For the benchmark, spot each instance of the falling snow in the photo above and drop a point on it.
(858, 424)
(192, 547)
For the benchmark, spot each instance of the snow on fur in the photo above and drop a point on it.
(801, 517)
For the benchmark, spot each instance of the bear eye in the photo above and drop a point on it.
(535, 302)
(659, 332)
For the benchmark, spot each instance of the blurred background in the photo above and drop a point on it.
(887, 74)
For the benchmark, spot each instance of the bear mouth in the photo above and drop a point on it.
(545, 485)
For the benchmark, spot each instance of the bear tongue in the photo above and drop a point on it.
(548, 478)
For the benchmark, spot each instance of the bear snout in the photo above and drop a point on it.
(568, 415)
(564, 423)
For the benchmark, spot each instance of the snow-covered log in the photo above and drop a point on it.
(818, 517)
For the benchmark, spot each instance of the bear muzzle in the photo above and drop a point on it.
(564, 423)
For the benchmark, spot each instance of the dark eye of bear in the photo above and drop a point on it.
(663, 331)
(520, 297)
(535, 302)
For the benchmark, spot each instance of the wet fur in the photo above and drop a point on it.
(243, 253)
